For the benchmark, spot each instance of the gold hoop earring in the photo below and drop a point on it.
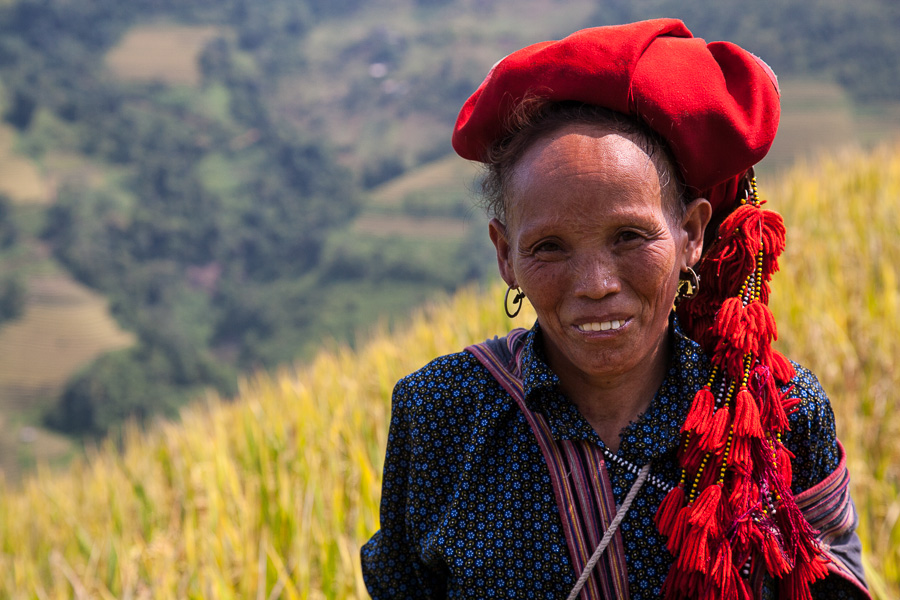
(516, 301)
(689, 286)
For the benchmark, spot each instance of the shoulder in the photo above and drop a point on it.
(451, 371)
(811, 438)
(455, 381)
(811, 407)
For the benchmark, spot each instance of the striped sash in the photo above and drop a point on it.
(581, 485)
(829, 509)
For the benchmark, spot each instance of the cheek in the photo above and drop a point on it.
(657, 274)
(543, 283)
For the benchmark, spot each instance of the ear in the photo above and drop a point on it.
(696, 217)
(500, 239)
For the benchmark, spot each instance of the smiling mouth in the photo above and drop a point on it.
(600, 326)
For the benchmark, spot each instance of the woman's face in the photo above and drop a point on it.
(593, 244)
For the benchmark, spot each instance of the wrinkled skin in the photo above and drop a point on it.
(591, 238)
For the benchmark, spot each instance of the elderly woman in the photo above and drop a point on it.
(620, 448)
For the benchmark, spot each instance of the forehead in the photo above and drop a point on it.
(581, 167)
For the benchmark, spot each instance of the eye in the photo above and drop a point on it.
(548, 246)
(546, 250)
(629, 236)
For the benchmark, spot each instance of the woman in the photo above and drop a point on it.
(617, 450)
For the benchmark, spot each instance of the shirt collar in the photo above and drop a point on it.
(655, 432)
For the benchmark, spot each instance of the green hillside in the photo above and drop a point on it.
(241, 181)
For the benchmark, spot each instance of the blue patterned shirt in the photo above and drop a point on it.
(468, 508)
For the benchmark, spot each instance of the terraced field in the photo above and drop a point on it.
(64, 327)
(166, 53)
(20, 178)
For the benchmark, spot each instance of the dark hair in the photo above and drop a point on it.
(537, 117)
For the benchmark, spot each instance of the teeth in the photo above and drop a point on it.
(604, 326)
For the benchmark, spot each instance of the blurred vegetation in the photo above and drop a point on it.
(226, 219)
(853, 44)
(272, 496)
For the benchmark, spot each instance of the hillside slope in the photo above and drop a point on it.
(271, 496)
(201, 165)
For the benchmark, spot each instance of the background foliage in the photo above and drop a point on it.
(273, 495)
(276, 174)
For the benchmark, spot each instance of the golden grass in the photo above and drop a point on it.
(272, 496)
(166, 53)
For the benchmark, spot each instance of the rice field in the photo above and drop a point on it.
(166, 53)
(64, 327)
(272, 495)
(20, 178)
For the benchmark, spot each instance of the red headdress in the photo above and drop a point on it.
(717, 107)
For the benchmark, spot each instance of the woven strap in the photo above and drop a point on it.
(829, 509)
(581, 484)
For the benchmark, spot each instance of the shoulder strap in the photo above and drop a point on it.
(581, 485)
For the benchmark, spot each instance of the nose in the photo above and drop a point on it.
(596, 276)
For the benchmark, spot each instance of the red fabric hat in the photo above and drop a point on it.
(715, 104)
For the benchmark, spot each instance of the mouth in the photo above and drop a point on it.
(601, 326)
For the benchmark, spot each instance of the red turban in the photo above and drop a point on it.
(716, 105)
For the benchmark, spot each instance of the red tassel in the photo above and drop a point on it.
(692, 455)
(739, 459)
(773, 241)
(729, 358)
(714, 439)
(697, 315)
(743, 329)
(700, 414)
(746, 415)
(795, 585)
(678, 584)
(694, 554)
(679, 529)
(739, 243)
(764, 292)
(781, 367)
(776, 560)
(789, 404)
(710, 474)
(766, 329)
(739, 497)
(785, 469)
(728, 264)
(743, 535)
(668, 510)
(729, 317)
(746, 218)
(722, 572)
(706, 506)
(711, 592)
(773, 416)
